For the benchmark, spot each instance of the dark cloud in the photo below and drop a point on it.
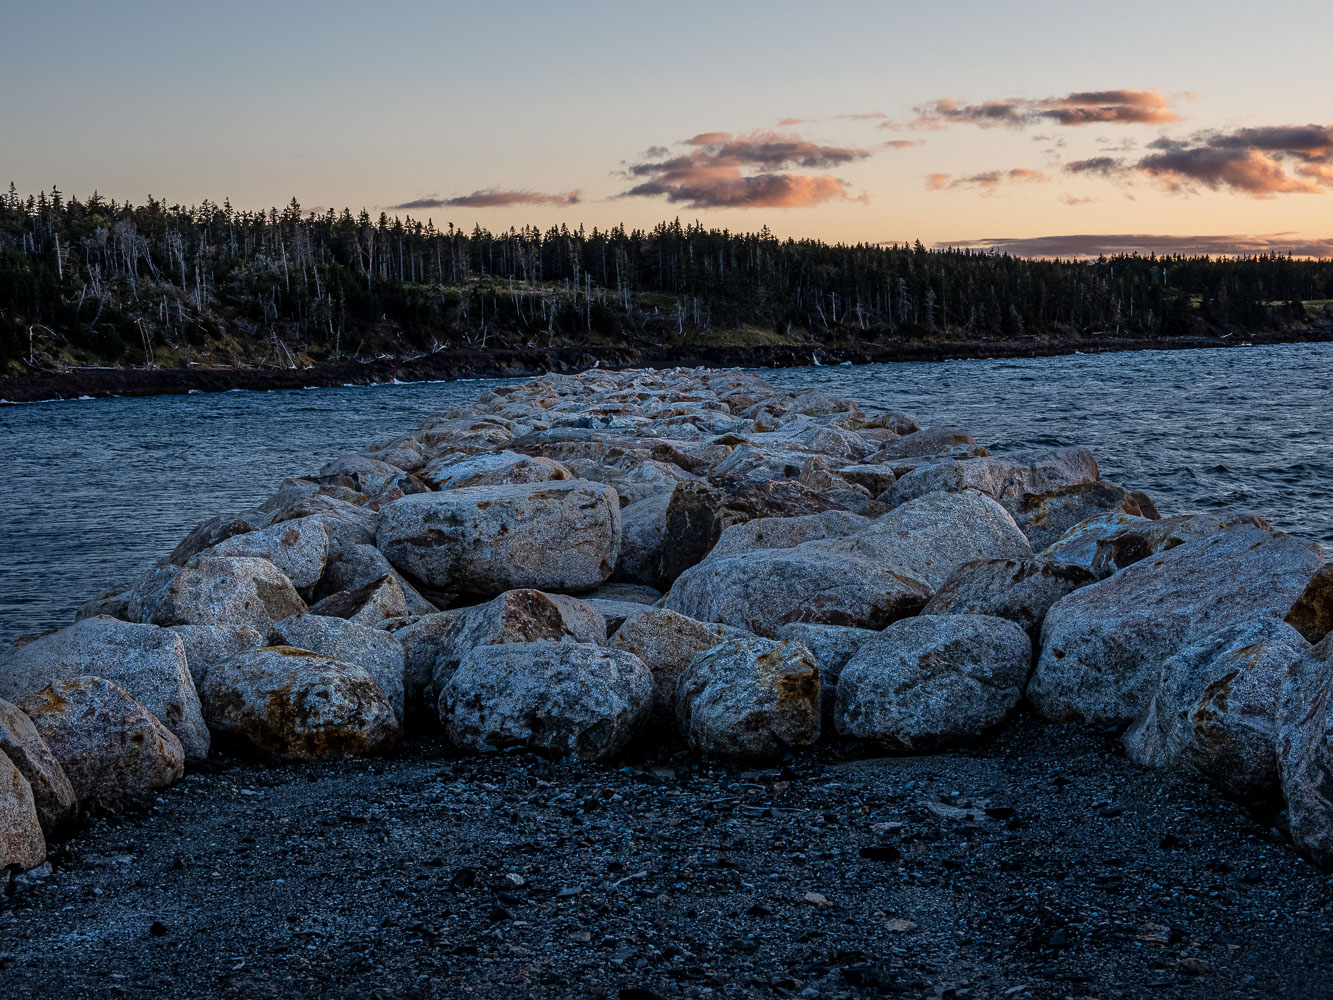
(1107, 166)
(746, 170)
(1089, 107)
(491, 198)
(1096, 245)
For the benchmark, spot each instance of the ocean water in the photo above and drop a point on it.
(93, 491)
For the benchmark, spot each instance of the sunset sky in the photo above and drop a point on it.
(1209, 123)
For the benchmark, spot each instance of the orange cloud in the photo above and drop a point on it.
(1253, 161)
(750, 170)
(988, 181)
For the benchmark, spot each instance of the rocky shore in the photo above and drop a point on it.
(506, 362)
(667, 606)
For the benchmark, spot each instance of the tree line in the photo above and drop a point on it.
(100, 281)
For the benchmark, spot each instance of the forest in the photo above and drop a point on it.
(98, 282)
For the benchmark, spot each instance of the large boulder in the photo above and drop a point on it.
(930, 537)
(488, 539)
(217, 590)
(422, 640)
(1079, 545)
(148, 662)
(515, 616)
(933, 683)
(786, 532)
(371, 604)
(643, 535)
(567, 699)
(1214, 708)
(354, 566)
(457, 470)
(1141, 539)
(1021, 590)
(666, 642)
(206, 645)
(1000, 476)
(764, 590)
(1102, 645)
(1044, 517)
(109, 746)
(374, 650)
(1305, 752)
(298, 705)
(52, 794)
(923, 443)
(749, 698)
(22, 845)
(832, 647)
(299, 548)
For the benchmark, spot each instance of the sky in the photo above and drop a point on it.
(1039, 127)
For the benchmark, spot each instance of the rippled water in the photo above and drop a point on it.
(94, 490)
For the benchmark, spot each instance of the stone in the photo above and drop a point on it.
(116, 605)
(832, 647)
(298, 705)
(1214, 708)
(1141, 539)
(1305, 752)
(643, 534)
(358, 565)
(110, 746)
(148, 662)
(763, 590)
(377, 652)
(1078, 545)
(930, 441)
(749, 698)
(1021, 590)
(1002, 477)
(1102, 646)
(786, 532)
(693, 523)
(209, 533)
(22, 845)
(52, 794)
(933, 683)
(299, 548)
(522, 615)
(1044, 517)
(217, 590)
(369, 475)
(208, 644)
(422, 638)
(631, 592)
(930, 537)
(613, 613)
(873, 477)
(455, 470)
(375, 602)
(666, 642)
(1312, 614)
(489, 539)
(564, 699)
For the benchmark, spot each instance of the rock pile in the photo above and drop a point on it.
(575, 562)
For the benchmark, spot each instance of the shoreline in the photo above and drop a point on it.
(473, 363)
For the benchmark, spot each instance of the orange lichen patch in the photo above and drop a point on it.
(51, 701)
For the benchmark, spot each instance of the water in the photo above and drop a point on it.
(93, 491)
